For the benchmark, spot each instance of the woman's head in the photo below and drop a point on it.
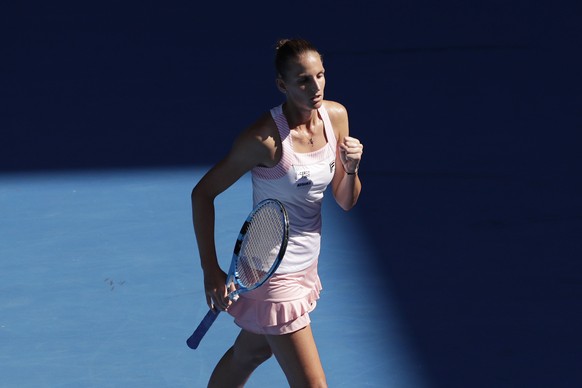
(290, 50)
(300, 73)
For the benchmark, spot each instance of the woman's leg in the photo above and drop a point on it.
(299, 359)
(235, 367)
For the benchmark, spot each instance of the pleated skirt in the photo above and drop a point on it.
(281, 305)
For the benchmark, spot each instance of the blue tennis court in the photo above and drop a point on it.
(100, 284)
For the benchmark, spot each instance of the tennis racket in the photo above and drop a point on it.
(258, 251)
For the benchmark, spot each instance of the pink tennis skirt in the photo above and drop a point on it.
(281, 305)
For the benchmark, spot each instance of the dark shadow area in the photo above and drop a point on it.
(470, 115)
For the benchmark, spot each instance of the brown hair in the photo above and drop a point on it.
(289, 49)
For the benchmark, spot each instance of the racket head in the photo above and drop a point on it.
(260, 246)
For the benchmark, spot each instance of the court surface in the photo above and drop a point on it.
(101, 286)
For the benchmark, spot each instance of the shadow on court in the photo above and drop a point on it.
(470, 118)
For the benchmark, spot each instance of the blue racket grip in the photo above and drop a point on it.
(202, 328)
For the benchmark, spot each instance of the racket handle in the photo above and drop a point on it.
(202, 328)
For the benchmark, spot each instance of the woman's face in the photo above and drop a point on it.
(304, 81)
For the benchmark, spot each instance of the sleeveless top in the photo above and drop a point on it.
(298, 181)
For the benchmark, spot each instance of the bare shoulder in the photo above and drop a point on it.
(335, 110)
(263, 128)
(338, 115)
(257, 144)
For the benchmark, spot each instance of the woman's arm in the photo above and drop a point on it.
(346, 185)
(250, 149)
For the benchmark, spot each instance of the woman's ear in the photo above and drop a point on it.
(281, 85)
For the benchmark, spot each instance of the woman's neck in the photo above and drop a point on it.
(306, 118)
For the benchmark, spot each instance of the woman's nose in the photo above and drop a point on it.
(315, 85)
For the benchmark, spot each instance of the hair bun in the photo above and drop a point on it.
(281, 43)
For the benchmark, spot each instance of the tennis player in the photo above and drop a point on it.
(293, 152)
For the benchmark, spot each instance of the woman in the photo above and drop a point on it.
(293, 152)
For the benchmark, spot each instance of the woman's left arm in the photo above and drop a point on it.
(346, 183)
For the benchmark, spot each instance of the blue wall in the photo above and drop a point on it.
(128, 83)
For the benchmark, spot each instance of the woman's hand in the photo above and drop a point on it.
(351, 153)
(215, 289)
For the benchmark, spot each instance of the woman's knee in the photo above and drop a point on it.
(319, 382)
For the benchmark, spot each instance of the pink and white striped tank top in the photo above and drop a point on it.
(299, 181)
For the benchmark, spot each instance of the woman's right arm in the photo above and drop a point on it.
(250, 149)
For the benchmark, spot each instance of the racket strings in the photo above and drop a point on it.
(261, 245)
